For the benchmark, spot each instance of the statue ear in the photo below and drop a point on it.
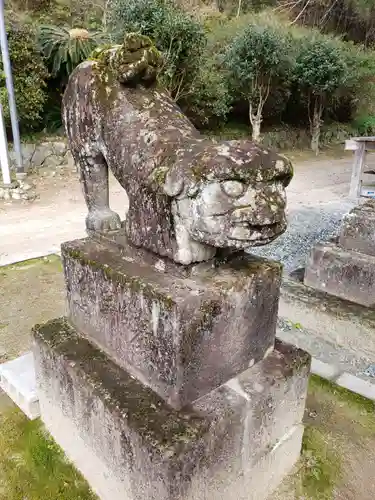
(173, 185)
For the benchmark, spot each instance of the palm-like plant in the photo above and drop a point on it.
(64, 48)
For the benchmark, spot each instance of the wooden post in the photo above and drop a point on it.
(359, 161)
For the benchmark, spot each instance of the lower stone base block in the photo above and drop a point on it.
(236, 443)
(347, 274)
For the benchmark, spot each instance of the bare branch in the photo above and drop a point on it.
(326, 14)
(239, 8)
(288, 5)
(302, 11)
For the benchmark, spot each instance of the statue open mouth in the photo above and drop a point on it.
(254, 234)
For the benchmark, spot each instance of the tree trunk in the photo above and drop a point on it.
(256, 129)
(239, 8)
(256, 121)
(105, 14)
(315, 125)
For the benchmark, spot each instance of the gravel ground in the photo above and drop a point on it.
(307, 225)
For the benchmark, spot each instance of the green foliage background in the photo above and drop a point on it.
(211, 56)
(29, 76)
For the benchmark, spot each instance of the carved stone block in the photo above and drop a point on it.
(236, 443)
(180, 332)
(344, 273)
(358, 229)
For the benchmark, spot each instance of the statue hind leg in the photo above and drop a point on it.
(94, 179)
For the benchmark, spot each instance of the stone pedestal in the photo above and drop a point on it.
(165, 383)
(235, 443)
(358, 229)
(182, 333)
(346, 269)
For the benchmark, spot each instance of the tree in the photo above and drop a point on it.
(258, 60)
(29, 75)
(209, 100)
(64, 48)
(320, 73)
(179, 36)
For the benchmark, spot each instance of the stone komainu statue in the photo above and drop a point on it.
(188, 195)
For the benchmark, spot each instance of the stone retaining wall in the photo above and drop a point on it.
(47, 154)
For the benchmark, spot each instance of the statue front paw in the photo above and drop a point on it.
(103, 220)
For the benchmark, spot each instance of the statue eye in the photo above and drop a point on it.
(234, 189)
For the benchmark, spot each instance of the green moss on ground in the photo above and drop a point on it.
(32, 466)
(53, 261)
(320, 465)
(354, 403)
(338, 452)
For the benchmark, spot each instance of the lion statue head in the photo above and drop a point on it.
(228, 195)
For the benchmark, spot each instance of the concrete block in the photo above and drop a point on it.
(182, 333)
(358, 229)
(17, 380)
(344, 273)
(236, 443)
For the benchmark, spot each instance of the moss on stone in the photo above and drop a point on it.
(251, 265)
(100, 54)
(296, 359)
(159, 175)
(162, 428)
(136, 41)
(136, 60)
(106, 83)
(113, 271)
(209, 309)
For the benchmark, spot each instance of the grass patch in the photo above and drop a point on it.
(357, 402)
(32, 466)
(338, 446)
(321, 465)
(31, 292)
(53, 260)
(347, 412)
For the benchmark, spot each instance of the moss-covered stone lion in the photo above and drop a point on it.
(188, 195)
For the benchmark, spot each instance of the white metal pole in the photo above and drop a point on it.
(10, 89)
(4, 158)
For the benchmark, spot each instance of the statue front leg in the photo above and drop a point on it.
(94, 179)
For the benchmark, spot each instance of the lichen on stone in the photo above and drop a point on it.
(173, 176)
(137, 60)
(161, 428)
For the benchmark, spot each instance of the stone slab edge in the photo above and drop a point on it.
(9, 261)
(18, 381)
(330, 371)
(333, 370)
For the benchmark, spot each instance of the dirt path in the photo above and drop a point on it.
(31, 292)
(33, 229)
(30, 230)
